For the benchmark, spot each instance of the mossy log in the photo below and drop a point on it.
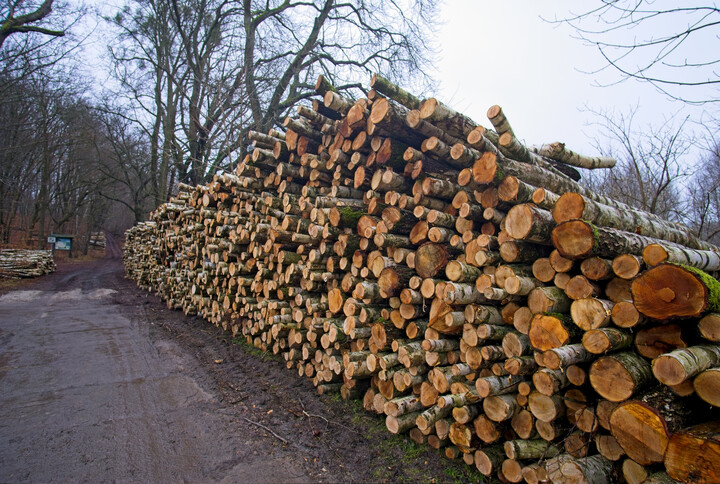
(673, 291)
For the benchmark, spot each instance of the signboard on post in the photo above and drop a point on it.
(61, 242)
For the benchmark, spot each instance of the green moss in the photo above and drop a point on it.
(349, 217)
(712, 284)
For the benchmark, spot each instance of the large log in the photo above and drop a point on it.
(619, 376)
(670, 291)
(693, 454)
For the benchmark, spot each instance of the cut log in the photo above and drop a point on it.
(707, 386)
(599, 341)
(641, 431)
(530, 223)
(677, 366)
(430, 259)
(709, 327)
(693, 454)
(558, 151)
(668, 290)
(706, 260)
(549, 331)
(595, 469)
(572, 206)
(578, 239)
(591, 313)
(619, 376)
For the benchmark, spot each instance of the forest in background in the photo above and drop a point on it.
(189, 79)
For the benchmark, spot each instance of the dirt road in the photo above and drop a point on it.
(100, 382)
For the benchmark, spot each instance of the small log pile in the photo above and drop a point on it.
(97, 239)
(463, 285)
(21, 263)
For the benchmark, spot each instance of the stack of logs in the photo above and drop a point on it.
(461, 284)
(97, 239)
(20, 263)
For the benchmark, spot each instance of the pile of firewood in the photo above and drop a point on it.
(96, 239)
(20, 263)
(465, 286)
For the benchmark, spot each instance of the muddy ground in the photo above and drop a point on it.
(100, 381)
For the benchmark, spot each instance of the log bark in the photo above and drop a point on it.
(574, 206)
(619, 376)
(578, 239)
(677, 366)
(558, 151)
(595, 469)
(599, 341)
(706, 260)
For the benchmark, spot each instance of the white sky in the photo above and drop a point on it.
(504, 53)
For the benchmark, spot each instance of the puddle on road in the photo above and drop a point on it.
(53, 297)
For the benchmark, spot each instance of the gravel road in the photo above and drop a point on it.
(99, 381)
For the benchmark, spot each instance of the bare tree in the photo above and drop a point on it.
(242, 65)
(652, 164)
(704, 189)
(23, 16)
(673, 47)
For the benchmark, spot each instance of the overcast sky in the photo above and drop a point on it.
(504, 53)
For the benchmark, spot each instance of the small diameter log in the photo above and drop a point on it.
(706, 260)
(499, 408)
(693, 454)
(496, 385)
(549, 382)
(559, 152)
(564, 356)
(489, 459)
(627, 266)
(591, 313)
(619, 376)
(548, 300)
(530, 223)
(548, 331)
(608, 447)
(578, 239)
(401, 424)
(397, 94)
(625, 315)
(641, 431)
(597, 268)
(605, 340)
(668, 290)
(546, 408)
(530, 449)
(677, 366)
(707, 386)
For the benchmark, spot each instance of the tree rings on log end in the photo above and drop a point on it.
(668, 291)
(574, 239)
(568, 207)
(616, 377)
(430, 259)
(640, 431)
